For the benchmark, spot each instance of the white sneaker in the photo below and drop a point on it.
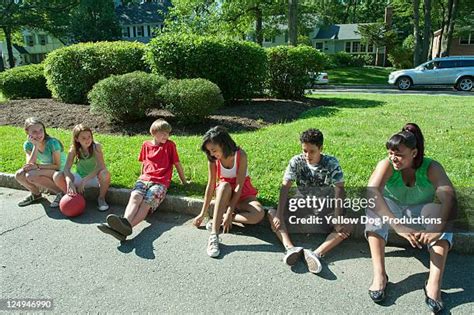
(102, 205)
(209, 226)
(56, 200)
(213, 246)
(312, 260)
(292, 255)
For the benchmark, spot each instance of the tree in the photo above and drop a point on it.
(48, 15)
(94, 20)
(378, 35)
(427, 33)
(448, 28)
(416, 32)
(293, 22)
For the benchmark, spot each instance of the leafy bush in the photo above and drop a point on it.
(237, 67)
(24, 82)
(289, 69)
(401, 57)
(72, 71)
(127, 96)
(342, 59)
(191, 100)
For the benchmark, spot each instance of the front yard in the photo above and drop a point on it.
(359, 76)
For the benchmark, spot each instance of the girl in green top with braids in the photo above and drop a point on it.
(405, 186)
(90, 167)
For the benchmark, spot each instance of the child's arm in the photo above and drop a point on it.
(180, 170)
(211, 186)
(56, 162)
(284, 190)
(69, 177)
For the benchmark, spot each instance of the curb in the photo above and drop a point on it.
(463, 241)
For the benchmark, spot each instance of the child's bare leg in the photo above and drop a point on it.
(133, 206)
(43, 178)
(104, 182)
(20, 177)
(141, 214)
(332, 240)
(281, 232)
(223, 195)
(377, 251)
(438, 255)
(59, 180)
(251, 211)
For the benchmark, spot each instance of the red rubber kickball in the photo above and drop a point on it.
(72, 206)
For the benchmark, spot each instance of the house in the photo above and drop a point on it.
(460, 46)
(36, 44)
(138, 21)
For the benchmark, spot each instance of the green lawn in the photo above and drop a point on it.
(359, 76)
(2, 98)
(355, 129)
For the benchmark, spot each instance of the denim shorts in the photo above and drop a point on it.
(400, 211)
(153, 194)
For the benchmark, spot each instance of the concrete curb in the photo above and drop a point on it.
(463, 242)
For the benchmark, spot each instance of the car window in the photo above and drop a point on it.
(429, 66)
(447, 64)
(467, 63)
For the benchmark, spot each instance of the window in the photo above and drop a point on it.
(148, 30)
(140, 30)
(467, 39)
(348, 47)
(363, 48)
(42, 39)
(126, 31)
(30, 40)
(447, 64)
(467, 63)
(319, 46)
(355, 47)
(370, 48)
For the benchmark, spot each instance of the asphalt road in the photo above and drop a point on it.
(388, 90)
(164, 268)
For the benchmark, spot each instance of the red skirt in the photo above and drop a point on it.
(247, 190)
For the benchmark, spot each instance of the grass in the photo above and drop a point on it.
(359, 76)
(355, 131)
(2, 98)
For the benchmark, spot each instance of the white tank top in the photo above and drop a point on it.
(232, 172)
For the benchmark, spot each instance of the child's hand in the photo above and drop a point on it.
(198, 220)
(227, 222)
(80, 186)
(426, 238)
(276, 223)
(71, 189)
(33, 141)
(30, 166)
(341, 231)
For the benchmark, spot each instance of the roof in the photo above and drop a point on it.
(339, 32)
(145, 13)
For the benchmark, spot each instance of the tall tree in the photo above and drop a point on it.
(293, 22)
(427, 33)
(48, 15)
(94, 20)
(451, 15)
(416, 32)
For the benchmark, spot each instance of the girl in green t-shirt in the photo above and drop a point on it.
(44, 158)
(90, 167)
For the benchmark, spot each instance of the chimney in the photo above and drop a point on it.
(388, 17)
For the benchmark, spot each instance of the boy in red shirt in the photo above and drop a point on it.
(158, 156)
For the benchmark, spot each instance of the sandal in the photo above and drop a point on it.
(378, 296)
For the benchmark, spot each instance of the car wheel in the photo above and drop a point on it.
(465, 84)
(404, 83)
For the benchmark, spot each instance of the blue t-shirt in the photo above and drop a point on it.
(46, 157)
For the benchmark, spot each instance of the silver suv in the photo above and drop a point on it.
(455, 71)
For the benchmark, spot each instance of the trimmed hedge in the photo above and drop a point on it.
(24, 82)
(342, 59)
(72, 71)
(126, 97)
(191, 100)
(237, 67)
(289, 69)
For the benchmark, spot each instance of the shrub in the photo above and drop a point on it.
(191, 100)
(72, 71)
(126, 97)
(24, 82)
(289, 68)
(237, 67)
(401, 57)
(342, 59)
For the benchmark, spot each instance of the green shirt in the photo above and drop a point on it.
(422, 192)
(46, 157)
(86, 165)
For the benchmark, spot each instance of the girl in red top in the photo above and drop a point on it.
(235, 196)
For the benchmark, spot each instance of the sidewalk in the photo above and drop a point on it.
(164, 268)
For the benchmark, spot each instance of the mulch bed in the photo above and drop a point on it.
(237, 117)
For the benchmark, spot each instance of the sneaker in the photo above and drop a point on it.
(312, 260)
(56, 200)
(31, 198)
(119, 224)
(213, 246)
(292, 255)
(102, 205)
(103, 227)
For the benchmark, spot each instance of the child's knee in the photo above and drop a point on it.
(224, 187)
(136, 197)
(32, 176)
(58, 176)
(20, 174)
(104, 175)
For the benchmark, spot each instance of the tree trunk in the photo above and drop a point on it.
(258, 26)
(443, 24)
(416, 32)
(426, 31)
(292, 22)
(448, 34)
(377, 56)
(8, 39)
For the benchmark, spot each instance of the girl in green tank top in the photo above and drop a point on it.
(407, 181)
(90, 166)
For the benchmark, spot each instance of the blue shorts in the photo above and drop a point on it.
(399, 211)
(153, 194)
